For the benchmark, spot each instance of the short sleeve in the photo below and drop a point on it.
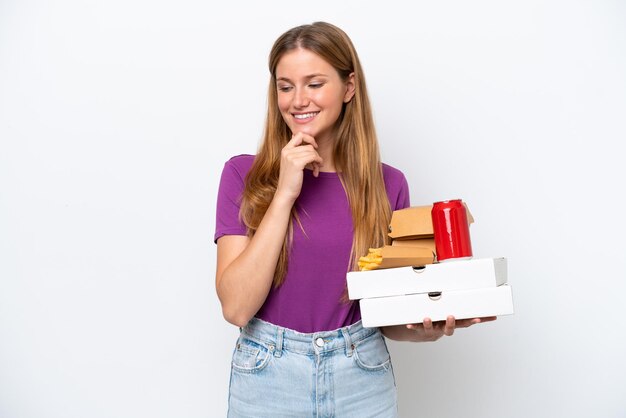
(229, 201)
(397, 188)
(404, 196)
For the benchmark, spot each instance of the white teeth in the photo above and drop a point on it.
(305, 115)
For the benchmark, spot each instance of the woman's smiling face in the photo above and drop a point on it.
(311, 93)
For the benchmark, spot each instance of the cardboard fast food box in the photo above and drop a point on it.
(415, 223)
(413, 308)
(389, 257)
(406, 256)
(422, 242)
(403, 283)
(464, 288)
(412, 243)
(452, 275)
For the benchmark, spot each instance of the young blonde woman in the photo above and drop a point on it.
(291, 221)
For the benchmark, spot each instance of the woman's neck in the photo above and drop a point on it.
(325, 150)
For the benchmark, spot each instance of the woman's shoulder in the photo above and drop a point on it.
(392, 175)
(241, 164)
(397, 187)
(241, 160)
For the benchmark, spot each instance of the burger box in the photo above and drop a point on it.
(463, 288)
(415, 222)
(421, 242)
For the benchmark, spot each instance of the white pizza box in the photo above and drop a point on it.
(412, 309)
(448, 275)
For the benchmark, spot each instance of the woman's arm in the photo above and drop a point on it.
(429, 330)
(246, 266)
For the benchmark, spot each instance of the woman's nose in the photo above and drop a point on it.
(301, 98)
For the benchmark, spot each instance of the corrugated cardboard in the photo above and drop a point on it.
(450, 275)
(415, 222)
(412, 309)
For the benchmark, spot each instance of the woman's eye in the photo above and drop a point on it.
(284, 89)
(316, 85)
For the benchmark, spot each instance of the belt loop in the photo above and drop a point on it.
(280, 332)
(346, 337)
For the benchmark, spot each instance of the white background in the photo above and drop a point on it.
(116, 118)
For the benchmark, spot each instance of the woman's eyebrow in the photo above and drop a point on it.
(308, 77)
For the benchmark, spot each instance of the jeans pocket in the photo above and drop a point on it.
(371, 354)
(251, 356)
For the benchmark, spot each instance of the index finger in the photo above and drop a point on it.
(301, 138)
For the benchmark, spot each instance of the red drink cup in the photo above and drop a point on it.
(451, 229)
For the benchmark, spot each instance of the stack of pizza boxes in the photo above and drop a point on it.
(410, 285)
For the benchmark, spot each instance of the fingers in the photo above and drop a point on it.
(301, 150)
(464, 323)
(316, 169)
(448, 328)
(440, 327)
(432, 331)
(299, 139)
(488, 318)
(428, 325)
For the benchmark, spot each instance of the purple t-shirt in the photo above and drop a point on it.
(310, 298)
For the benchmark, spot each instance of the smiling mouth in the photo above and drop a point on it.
(305, 115)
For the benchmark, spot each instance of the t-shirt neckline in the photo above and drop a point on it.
(322, 174)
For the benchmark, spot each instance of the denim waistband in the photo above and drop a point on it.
(279, 338)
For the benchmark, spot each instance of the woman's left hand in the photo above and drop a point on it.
(432, 331)
(429, 330)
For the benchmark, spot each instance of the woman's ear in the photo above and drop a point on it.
(350, 87)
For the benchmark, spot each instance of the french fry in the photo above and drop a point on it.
(372, 260)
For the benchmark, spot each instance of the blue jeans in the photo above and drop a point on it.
(278, 372)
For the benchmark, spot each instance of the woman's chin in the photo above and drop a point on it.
(305, 130)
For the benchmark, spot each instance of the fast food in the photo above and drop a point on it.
(372, 260)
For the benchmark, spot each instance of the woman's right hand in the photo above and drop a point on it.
(299, 152)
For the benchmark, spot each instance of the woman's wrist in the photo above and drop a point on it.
(282, 200)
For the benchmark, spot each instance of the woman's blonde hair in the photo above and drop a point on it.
(356, 154)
